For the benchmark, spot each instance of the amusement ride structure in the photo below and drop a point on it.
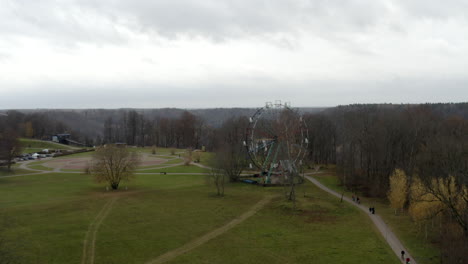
(276, 142)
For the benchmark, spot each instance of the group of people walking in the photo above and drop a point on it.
(356, 199)
(372, 211)
(407, 260)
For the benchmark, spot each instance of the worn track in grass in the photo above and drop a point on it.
(90, 238)
(207, 237)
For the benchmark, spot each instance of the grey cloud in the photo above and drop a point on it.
(97, 21)
(434, 9)
(224, 19)
(61, 23)
(94, 21)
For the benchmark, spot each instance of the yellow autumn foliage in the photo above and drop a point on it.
(398, 189)
(428, 201)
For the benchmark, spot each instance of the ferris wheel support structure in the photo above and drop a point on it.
(276, 137)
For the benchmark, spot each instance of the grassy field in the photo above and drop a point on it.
(45, 219)
(38, 165)
(408, 232)
(178, 169)
(38, 145)
(322, 231)
(14, 171)
(205, 157)
(171, 161)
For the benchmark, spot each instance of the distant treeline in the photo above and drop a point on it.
(133, 126)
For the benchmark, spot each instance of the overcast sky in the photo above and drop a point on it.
(225, 53)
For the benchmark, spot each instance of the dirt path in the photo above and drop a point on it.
(27, 174)
(200, 165)
(386, 232)
(164, 167)
(90, 238)
(207, 237)
(24, 165)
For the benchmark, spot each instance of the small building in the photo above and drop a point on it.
(61, 138)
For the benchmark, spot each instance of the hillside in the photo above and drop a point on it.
(34, 145)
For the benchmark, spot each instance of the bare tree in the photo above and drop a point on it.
(10, 147)
(232, 161)
(188, 156)
(113, 164)
(172, 151)
(196, 156)
(229, 150)
(217, 175)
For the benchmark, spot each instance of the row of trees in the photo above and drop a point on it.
(368, 142)
(186, 131)
(33, 125)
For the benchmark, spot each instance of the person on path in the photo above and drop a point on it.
(373, 210)
(358, 200)
(354, 198)
(403, 254)
(408, 260)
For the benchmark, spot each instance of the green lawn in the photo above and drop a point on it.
(14, 171)
(77, 155)
(205, 157)
(38, 165)
(170, 161)
(178, 169)
(322, 231)
(159, 151)
(40, 144)
(406, 230)
(49, 214)
(31, 150)
(45, 217)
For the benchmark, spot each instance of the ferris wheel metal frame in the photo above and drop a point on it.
(264, 151)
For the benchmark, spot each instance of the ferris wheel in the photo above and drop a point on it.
(276, 141)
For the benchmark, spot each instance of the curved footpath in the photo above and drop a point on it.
(389, 236)
(211, 235)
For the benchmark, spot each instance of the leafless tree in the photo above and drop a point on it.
(442, 166)
(113, 164)
(10, 147)
(196, 156)
(232, 162)
(217, 178)
(188, 156)
(229, 147)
